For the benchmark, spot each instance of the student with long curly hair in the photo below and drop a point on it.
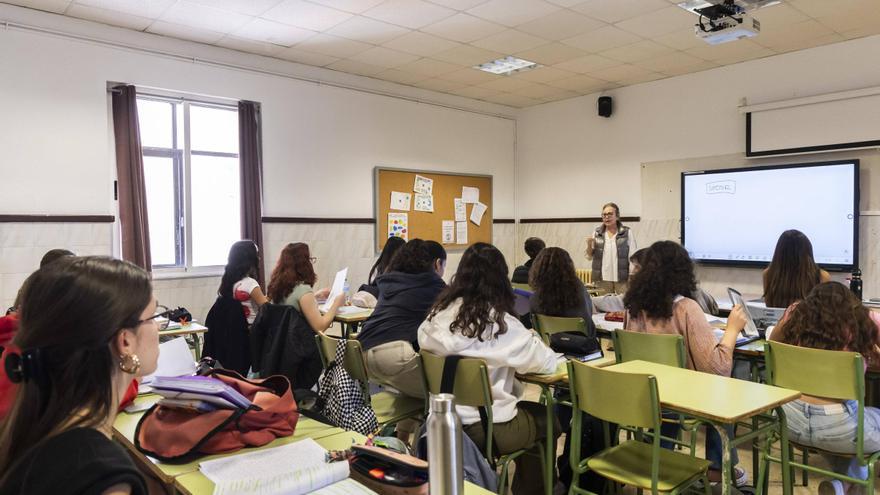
(831, 317)
(557, 289)
(292, 284)
(792, 273)
(658, 301)
(473, 317)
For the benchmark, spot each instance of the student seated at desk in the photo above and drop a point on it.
(792, 273)
(291, 284)
(474, 317)
(238, 278)
(381, 264)
(389, 337)
(831, 317)
(655, 304)
(532, 246)
(87, 330)
(557, 289)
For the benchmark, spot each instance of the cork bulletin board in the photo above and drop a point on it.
(408, 219)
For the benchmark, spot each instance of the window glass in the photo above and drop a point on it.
(156, 125)
(159, 177)
(213, 129)
(216, 206)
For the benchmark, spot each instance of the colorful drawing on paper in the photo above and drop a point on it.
(423, 185)
(398, 225)
(448, 232)
(400, 200)
(460, 210)
(424, 202)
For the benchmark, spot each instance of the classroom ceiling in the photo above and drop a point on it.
(583, 46)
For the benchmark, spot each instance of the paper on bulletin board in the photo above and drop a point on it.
(460, 210)
(470, 194)
(423, 185)
(400, 201)
(424, 202)
(477, 212)
(398, 225)
(448, 231)
(461, 233)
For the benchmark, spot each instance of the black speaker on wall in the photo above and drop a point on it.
(605, 106)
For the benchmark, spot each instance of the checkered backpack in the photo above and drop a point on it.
(343, 399)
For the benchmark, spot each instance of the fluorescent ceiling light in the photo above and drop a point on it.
(507, 65)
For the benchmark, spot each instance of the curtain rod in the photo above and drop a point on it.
(225, 65)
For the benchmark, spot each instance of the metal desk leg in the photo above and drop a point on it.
(197, 345)
(783, 436)
(550, 448)
(726, 467)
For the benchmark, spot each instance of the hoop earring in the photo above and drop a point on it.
(129, 363)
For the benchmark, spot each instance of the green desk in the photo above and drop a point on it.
(193, 329)
(351, 321)
(722, 401)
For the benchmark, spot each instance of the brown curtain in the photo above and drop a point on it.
(131, 187)
(250, 149)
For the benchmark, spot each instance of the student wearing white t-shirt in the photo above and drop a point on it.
(609, 249)
(238, 278)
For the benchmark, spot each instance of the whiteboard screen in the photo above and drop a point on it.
(735, 216)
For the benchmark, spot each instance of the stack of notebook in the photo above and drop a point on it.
(198, 393)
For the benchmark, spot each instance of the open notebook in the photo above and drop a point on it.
(291, 469)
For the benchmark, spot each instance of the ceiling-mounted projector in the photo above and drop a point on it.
(725, 20)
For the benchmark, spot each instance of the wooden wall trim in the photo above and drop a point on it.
(503, 220)
(57, 219)
(574, 220)
(343, 220)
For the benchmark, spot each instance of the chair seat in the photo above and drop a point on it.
(390, 407)
(817, 450)
(630, 463)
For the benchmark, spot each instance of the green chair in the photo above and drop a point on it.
(389, 408)
(548, 325)
(522, 286)
(646, 466)
(472, 388)
(830, 374)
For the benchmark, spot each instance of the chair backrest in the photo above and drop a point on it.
(354, 356)
(548, 325)
(472, 386)
(596, 391)
(665, 349)
(521, 286)
(831, 374)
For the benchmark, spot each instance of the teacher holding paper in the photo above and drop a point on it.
(609, 248)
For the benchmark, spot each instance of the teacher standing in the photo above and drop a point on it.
(609, 248)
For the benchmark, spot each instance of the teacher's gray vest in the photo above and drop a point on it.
(622, 253)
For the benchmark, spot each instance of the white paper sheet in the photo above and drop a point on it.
(470, 194)
(461, 233)
(175, 359)
(460, 210)
(424, 202)
(400, 200)
(448, 231)
(398, 225)
(337, 288)
(477, 212)
(423, 185)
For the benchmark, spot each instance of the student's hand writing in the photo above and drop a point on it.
(737, 319)
(323, 293)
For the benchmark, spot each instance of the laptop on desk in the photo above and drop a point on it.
(750, 332)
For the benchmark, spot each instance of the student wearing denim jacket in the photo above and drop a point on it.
(831, 317)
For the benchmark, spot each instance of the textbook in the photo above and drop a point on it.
(203, 388)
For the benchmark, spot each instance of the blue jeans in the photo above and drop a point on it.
(713, 441)
(833, 428)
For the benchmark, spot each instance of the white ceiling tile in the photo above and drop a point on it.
(621, 73)
(56, 6)
(513, 100)
(413, 14)
(793, 34)
(848, 20)
(566, 3)
(551, 53)
(399, 76)
(671, 61)
(306, 15)
(563, 95)
(513, 12)
(110, 17)
(636, 52)
(246, 7)
(295, 54)
(778, 15)
(510, 41)
(195, 15)
(468, 55)
(579, 83)
(642, 78)
(590, 63)
(140, 8)
(808, 43)
(730, 53)
(822, 8)
(185, 32)
(353, 6)
(681, 39)
(459, 4)
(470, 76)
(420, 43)
(430, 67)
(689, 69)
(384, 57)
(852, 34)
(658, 23)
(368, 30)
(464, 28)
(560, 25)
(542, 91)
(612, 11)
(544, 74)
(356, 67)
(250, 46)
(507, 83)
(602, 39)
(439, 85)
(273, 32)
(475, 92)
(333, 46)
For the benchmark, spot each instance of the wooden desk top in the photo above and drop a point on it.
(353, 317)
(714, 397)
(560, 376)
(188, 329)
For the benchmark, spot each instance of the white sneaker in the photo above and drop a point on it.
(742, 477)
(832, 487)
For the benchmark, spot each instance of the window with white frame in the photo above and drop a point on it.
(191, 169)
